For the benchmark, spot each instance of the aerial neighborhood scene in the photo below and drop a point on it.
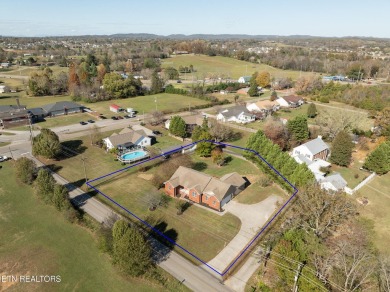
(180, 146)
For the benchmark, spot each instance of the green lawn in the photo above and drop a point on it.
(256, 193)
(350, 173)
(36, 240)
(7, 133)
(2, 144)
(206, 66)
(64, 120)
(378, 210)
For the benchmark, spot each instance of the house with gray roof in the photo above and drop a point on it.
(333, 183)
(127, 139)
(204, 189)
(238, 114)
(62, 108)
(313, 149)
(244, 79)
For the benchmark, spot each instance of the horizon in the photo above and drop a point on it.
(332, 19)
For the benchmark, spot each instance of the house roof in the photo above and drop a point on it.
(266, 104)
(315, 146)
(336, 180)
(37, 111)
(125, 138)
(203, 183)
(61, 105)
(14, 114)
(233, 178)
(292, 98)
(115, 106)
(10, 108)
(234, 111)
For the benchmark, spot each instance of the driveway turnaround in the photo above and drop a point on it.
(252, 217)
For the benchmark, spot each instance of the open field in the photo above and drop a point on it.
(377, 192)
(36, 240)
(223, 66)
(27, 70)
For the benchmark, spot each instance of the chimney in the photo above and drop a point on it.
(18, 103)
(319, 137)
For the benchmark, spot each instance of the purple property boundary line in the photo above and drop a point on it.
(169, 239)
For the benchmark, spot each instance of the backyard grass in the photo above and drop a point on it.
(2, 144)
(6, 133)
(223, 66)
(36, 240)
(377, 192)
(350, 173)
(256, 193)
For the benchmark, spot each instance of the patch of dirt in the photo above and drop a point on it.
(146, 176)
(252, 178)
(363, 201)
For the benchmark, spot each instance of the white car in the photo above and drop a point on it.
(3, 158)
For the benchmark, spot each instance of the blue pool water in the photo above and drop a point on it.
(134, 155)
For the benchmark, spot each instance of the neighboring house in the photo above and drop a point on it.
(128, 138)
(238, 114)
(333, 183)
(14, 115)
(244, 79)
(37, 114)
(243, 91)
(314, 165)
(62, 108)
(5, 65)
(4, 89)
(115, 108)
(191, 122)
(204, 189)
(313, 149)
(263, 106)
(290, 101)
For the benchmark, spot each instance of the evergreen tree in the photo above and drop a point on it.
(60, 197)
(44, 185)
(311, 110)
(298, 128)
(26, 170)
(131, 251)
(177, 127)
(46, 144)
(274, 96)
(204, 149)
(253, 85)
(157, 84)
(342, 149)
(196, 133)
(379, 159)
(119, 229)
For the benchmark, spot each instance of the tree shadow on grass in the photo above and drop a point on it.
(72, 148)
(54, 167)
(235, 137)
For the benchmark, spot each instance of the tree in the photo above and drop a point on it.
(379, 159)
(382, 120)
(384, 273)
(119, 229)
(311, 111)
(157, 117)
(253, 85)
(298, 128)
(276, 131)
(263, 79)
(273, 96)
(177, 127)
(46, 144)
(118, 87)
(26, 170)
(44, 185)
(204, 149)
(220, 132)
(342, 149)
(101, 72)
(131, 252)
(171, 73)
(157, 84)
(217, 156)
(60, 197)
(96, 136)
(321, 213)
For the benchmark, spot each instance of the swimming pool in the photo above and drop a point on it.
(135, 155)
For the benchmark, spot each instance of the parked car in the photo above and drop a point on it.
(119, 117)
(126, 117)
(91, 121)
(4, 158)
(157, 133)
(178, 81)
(83, 123)
(114, 118)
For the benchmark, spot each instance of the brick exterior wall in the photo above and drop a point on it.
(197, 198)
(169, 189)
(210, 202)
(322, 155)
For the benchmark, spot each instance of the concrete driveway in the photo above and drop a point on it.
(252, 217)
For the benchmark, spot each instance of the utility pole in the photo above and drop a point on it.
(10, 151)
(299, 269)
(31, 132)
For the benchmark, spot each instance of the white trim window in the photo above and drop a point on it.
(194, 194)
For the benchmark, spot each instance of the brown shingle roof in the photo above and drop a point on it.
(292, 98)
(233, 178)
(129, 137)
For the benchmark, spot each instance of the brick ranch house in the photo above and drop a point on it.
(204, 189)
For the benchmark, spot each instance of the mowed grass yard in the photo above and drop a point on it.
(377, 192)
(36, 240)
(206, 65)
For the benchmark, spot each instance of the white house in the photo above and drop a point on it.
(263, 106)
(333, 183)
(128, 139)
(290, 101)
(3, 89)
(244, 79)
(238, 114)
(313, 149)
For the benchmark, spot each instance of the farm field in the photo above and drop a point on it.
(37, 240)
(223, 66)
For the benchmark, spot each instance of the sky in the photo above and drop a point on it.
(332, 18)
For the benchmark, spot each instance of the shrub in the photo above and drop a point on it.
(265, 181)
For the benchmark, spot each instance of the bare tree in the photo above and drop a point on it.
(277, 132)
(220, 132)
(157, 117)
(384, 274)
